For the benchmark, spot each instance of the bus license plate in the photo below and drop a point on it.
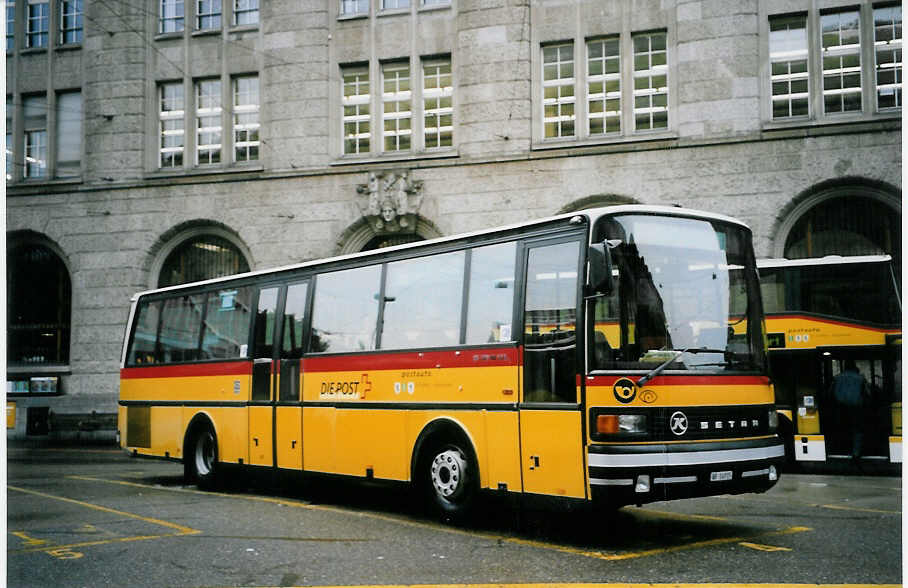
(720, 476)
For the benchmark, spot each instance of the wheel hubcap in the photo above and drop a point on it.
(204, 454)
(447, 472)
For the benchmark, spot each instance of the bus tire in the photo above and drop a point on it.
(200, 462)
(449, 479)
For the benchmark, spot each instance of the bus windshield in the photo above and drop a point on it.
(686, 295)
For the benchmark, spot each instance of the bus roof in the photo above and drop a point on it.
(827, 260)
(591, 214)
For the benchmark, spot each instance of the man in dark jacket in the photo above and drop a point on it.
(850, 391)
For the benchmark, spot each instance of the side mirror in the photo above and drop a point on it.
(600, 259)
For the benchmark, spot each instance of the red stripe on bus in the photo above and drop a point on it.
(189, 370)
(496, 357)
(700, 380)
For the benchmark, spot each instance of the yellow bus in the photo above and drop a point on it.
(820, 314)
(614, 355)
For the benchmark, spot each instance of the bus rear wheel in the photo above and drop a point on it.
(201, 459)
(449, 480)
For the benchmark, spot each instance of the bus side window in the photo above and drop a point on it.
(178, 340)
(294, 321)
(145, 337)
(491, 300)
(345, 312)
(423, 297)
(226, 328)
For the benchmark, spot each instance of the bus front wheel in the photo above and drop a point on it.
(201, 459)
(450, 480)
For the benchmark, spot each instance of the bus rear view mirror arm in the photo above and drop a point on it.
(600, 257)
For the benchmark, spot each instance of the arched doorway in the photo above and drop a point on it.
(39, 306)
(845, 225)
(854, 217)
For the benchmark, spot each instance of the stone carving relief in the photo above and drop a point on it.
(390, 200)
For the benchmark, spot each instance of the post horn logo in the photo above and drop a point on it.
(625, 390)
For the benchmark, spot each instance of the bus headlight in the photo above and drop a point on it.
(621, 424)
(772, 420)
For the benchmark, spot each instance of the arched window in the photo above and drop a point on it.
(845, 225)
(39, 306)
(201, 257)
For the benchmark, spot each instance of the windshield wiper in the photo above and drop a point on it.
(678, 353)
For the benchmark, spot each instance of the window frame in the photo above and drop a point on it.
(215, 14)
(208, 107)
(898, 74)
(245, 110)
(242, 8)
(355, 112)
(177, 20)
(35, 138)
(74, 16)
(174, 115)
(10, 26)
(397, 73)
(37, 27)
(817, 114)
(588, 99)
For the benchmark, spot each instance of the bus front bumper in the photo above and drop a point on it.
(637, 474)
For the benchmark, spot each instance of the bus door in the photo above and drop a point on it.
(550, 414)
(870, 423)
(289, 418)
(264, 378)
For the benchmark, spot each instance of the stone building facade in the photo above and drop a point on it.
(288, 130)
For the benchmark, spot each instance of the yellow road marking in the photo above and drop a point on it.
(856, 508)
(481, 535)
(818, 505)
(180, 530)
(759, 547)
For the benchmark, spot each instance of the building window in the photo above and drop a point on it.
(887, 42)
(39, 295)
(10, 25)
(245, 12)
(604, 86)
(171, 17)
(172, 121)
(435, 2)
(841, 61)
(246, 118)
(37, 24)
(348, 7)
(356, 102)
(10, 150)
(208, 121)
(396, 112)
(415, 113)
(207, 15)
(201, 257)
(438, 108)
(69, 135)
(842, 54)
(788, 60)
(35, 118)
(558, 90)
(9, 156)
(394, 4)
(650, 82)
(70, 22)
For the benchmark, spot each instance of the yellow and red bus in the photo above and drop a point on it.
(820, 313)
(614, 355)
